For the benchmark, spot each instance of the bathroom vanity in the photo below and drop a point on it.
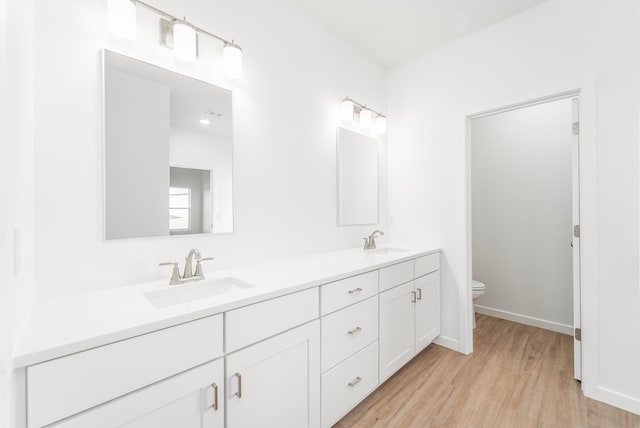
(294, 343)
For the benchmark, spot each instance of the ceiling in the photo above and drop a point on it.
(391, 32)
(191, 99)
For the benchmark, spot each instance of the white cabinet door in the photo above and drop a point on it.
(396, 329)
(276, 383)
(187, 400)
(427, 310)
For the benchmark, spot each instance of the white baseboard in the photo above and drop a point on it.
(614, 398)
(448, 342)
(523, 319)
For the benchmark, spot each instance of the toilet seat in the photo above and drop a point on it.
(477, 285)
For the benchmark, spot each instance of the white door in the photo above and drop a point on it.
(396, 328)
(276, 383)
(577, 346)
(427, 310)
(193, 399)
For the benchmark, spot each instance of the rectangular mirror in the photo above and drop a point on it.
(357, 166)
(168, 152)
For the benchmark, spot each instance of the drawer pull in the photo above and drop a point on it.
(413, 297)
(355, 330)
(355, 291)
(239, 392)
(215, 397)
(419, 293)
(355, 381)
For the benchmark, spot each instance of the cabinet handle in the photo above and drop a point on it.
(419, 293)
(355, 381)
(355, 330)
(355, 291)
(239, 393)
(413, 296)
(215, 397)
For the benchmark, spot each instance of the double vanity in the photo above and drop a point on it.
(293, 343)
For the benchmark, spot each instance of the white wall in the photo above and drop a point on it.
(136, 157)
(285, 117)
(521, 210)
(16, 188)
(552, 45)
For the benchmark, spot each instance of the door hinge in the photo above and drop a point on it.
(578, 334)
(575, 128)
(576, 231)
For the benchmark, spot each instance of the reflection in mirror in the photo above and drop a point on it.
(357, 165)
(168, 152)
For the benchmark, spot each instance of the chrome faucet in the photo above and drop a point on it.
(370, 241)
(188, 268)
(188, 273)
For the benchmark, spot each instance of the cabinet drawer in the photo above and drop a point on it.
(184, 400)
(337, 295)
(349, 330)
(427, 264)
(347, 384)
(253, 323)
(396, 275)
(65, 386)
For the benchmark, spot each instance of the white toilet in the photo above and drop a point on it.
(477, 289)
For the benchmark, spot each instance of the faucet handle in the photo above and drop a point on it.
(199, 268)
(175, 274)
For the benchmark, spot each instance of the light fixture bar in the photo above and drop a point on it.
(362, 106)
(175, 18)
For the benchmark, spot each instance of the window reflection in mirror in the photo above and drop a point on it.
(168, 152)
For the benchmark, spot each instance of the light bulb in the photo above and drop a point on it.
(381, 124)
(346, 110)
(121, 18)
(232, 60)
(184, 41)
(205, 121)
(366, 118)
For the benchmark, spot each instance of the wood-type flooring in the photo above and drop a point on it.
(518, 376)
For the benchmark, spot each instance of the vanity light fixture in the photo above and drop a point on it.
(205, 121)
(184, 40)
(381, 124)
(366, 118)
(178, 34)
(346, 109)
(232, 59)
(350, 108)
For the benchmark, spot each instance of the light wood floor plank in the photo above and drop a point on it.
(518, 376)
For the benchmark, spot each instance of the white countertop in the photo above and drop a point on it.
(76, 323)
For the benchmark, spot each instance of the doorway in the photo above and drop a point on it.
(525, 214)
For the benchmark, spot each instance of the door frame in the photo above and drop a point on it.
(584, 90)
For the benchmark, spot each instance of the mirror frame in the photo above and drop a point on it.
(103, 117)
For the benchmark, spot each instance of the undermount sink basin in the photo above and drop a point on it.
(388, 251)
(192, 291)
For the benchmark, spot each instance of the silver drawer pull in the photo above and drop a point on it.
(355, 291)
(215, 397)
(355, 330)
(355, 381)
(239, 392)
(419, 293)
